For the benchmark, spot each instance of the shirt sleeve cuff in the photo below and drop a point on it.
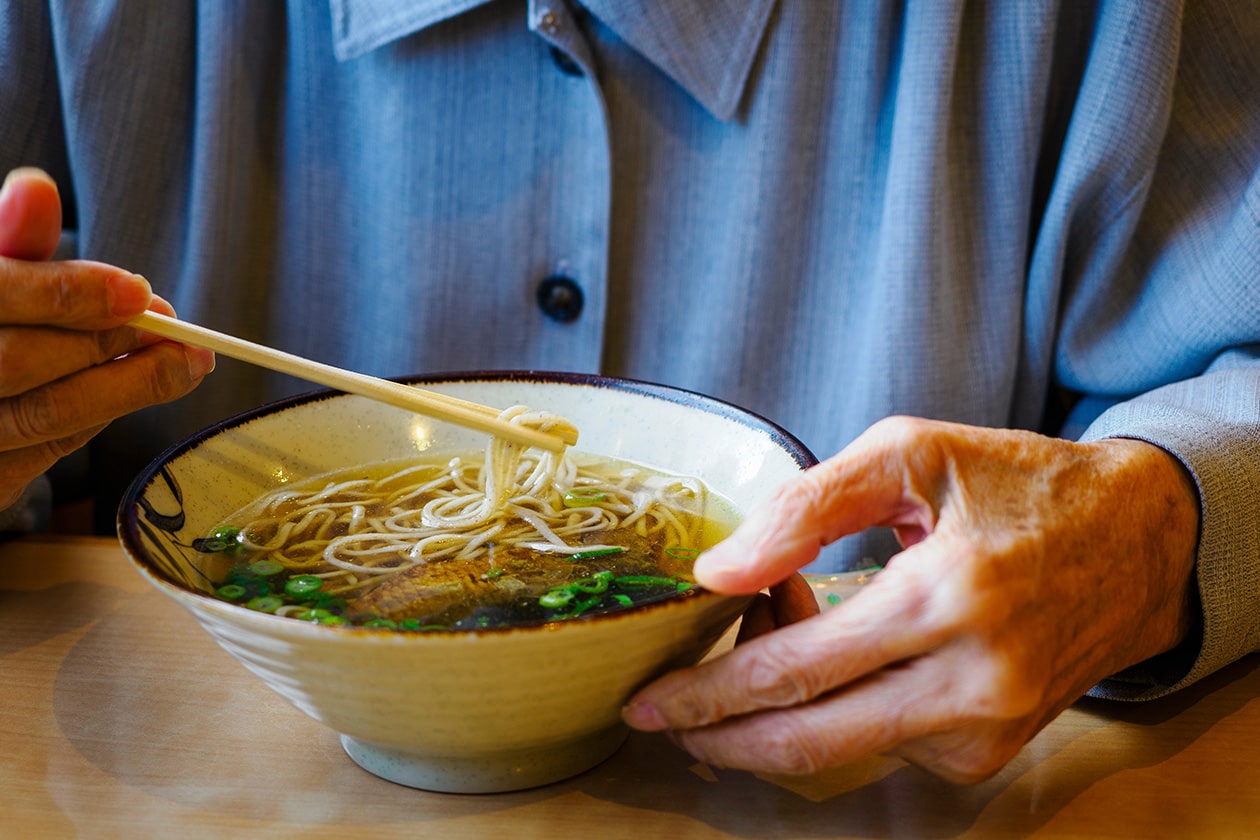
(1211, 424)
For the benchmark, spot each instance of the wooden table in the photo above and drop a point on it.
(119, 717)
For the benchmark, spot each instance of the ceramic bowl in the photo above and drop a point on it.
(471, 711)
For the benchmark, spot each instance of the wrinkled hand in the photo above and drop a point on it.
(1033, 568)
(67, 365)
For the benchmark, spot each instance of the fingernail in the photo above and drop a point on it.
(25, 172)
(643, 716)
(200, 362)
(129, 294)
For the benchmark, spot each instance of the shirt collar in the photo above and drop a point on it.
(706, 46)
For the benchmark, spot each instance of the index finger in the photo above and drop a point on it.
(74, 294)
(891, 620)
(867, 484)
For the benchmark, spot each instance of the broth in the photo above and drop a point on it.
(429, 544)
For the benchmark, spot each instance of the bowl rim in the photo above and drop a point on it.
(128, 524)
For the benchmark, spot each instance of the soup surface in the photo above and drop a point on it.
(446, 544)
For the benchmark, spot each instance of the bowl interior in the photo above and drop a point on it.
(192, 487)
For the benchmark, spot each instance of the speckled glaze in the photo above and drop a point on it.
(477, 711)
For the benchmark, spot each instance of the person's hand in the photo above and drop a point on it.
(67, 364)
(1034, 568)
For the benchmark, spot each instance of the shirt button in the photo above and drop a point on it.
(565, 62)
(560, 298)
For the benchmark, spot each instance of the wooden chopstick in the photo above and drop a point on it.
(441, 406)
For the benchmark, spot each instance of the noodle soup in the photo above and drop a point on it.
(468, 711)
(468, 541)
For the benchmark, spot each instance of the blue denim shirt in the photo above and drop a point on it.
(825, 212)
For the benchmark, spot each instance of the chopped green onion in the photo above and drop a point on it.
(595, 584)
(493, 573)
(624, 600)
(317, 614)
(596, 552)
(834, 598)
(414, 624)
(582, 605)
(332, 619)
(225, 539)
(381, 622)
(265, 603)
(558, 597)
(646, 580)
(679, 552)
(231, 592)
(266, 568)
(324, 600)
(583, 496)
(300, 585)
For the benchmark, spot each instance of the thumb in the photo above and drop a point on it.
(30, 215)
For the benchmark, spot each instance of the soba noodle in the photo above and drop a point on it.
(522, 519)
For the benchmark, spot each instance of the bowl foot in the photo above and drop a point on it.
(490, 773)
